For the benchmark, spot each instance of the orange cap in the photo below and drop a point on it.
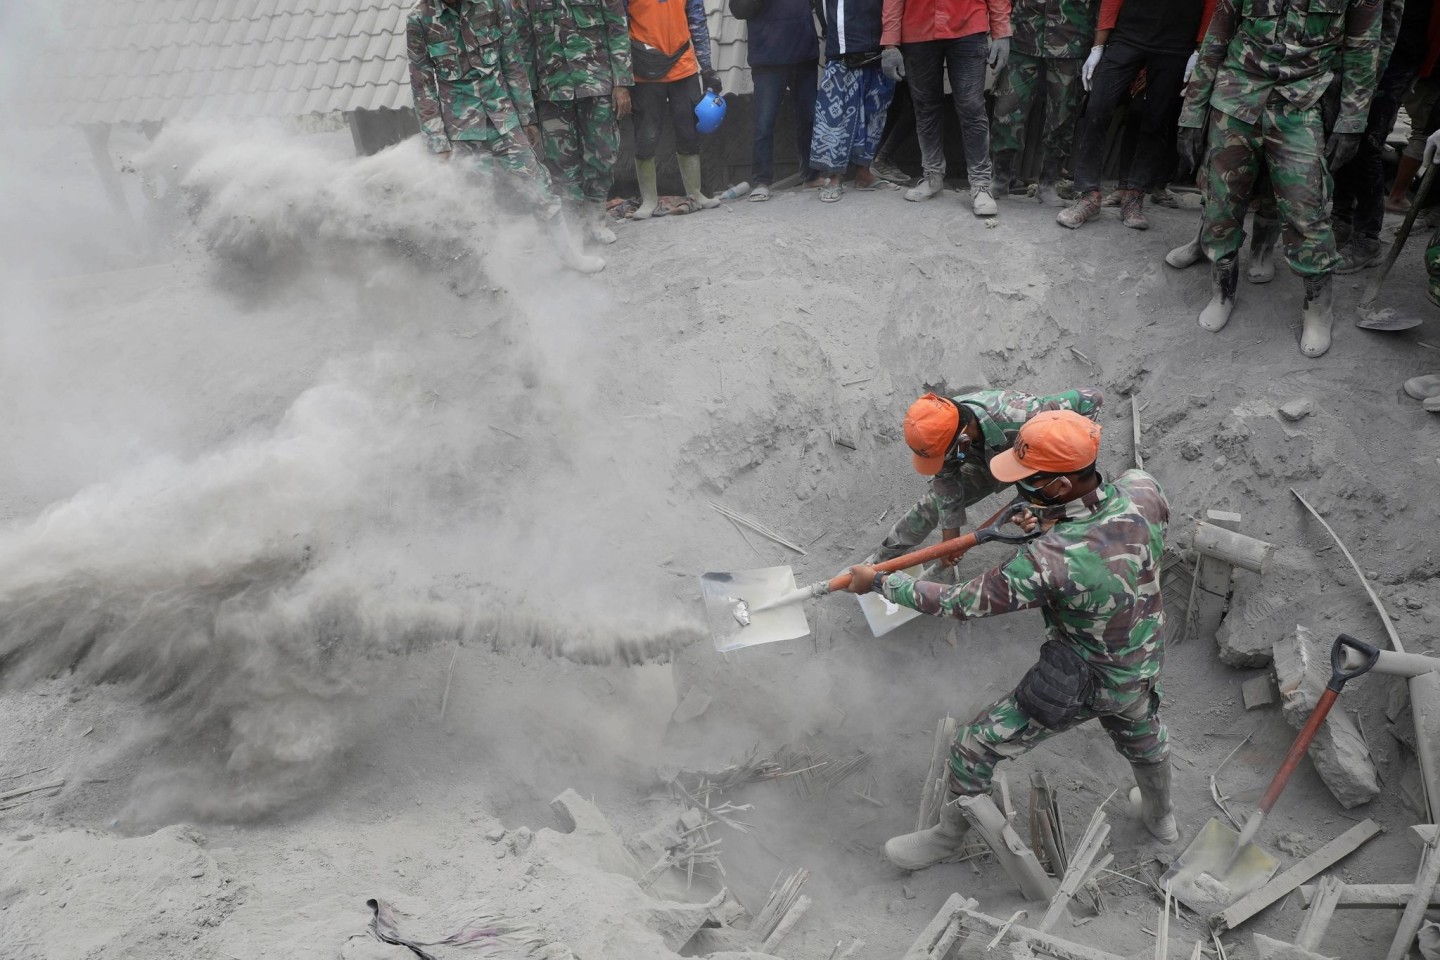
(930, 427)
(1055, 441)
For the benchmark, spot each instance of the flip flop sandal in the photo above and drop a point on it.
(831, 192)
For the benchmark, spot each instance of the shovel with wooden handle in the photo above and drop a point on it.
(1389, 319)
(1220, 866)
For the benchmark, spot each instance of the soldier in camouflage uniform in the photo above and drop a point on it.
(1048, 46)
(953, 440)
(579, 67)
(1094, 574)
(1263, 69)
(472, 97)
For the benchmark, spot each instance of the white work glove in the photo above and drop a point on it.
(1088, 71)
(892, 64)
(1190, 65)
(999, 53)
(1431, 145)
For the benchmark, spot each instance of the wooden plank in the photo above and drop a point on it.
(937, 930)
(1075, 875)
(1278, 886)
(1414, 915)
(1017, 859)
(34, 788)
(1317, 918)
(1369, 896)
(1047, 943)
(783, 928)
(1421, 835)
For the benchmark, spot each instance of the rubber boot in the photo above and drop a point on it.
(1156, 810)
(1002, 173)
(1318, 316)
(925, 848)
(1397, 201)
(1045, 192)
(690, 175)
(597, 225)
(649, 193)
(1188, 255)
(1264, 233)
(570, 253)
(1223, 275)
(930, 185)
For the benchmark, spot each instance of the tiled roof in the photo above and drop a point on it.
(147, 60)
(137, 60)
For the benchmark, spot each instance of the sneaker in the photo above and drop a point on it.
(1132, 210)
(1085, 208)
(760, 194)
(983, 204)
(886, 170)
(1112, 199)
(930, 186)
(1359, 253)
(1164, 198)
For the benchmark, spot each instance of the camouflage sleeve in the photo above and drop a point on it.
(949, 490)
(1212, 54)
(1085, 401)
(425, 88)
(1359, 70)
(699, 32)
(1389, 33)
(1015, 586)
(617, 41)
(518, 69)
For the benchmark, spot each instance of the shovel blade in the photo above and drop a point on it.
(722, 590)
(1386, 319)
(1211, 874)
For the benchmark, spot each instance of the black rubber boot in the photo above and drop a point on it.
(1264, 233)
(1045, 191)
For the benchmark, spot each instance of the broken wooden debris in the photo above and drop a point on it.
(755, 525)
(784, 895)
(1215, 783)
(1258, 692)
(786, 924)
(1282, 884)
(1268, 949)
(1317, 918)
(1017, 859)
(934, 791)
(1339, 752)
(1421, 835)
(1371, 896)
(1079, 868)
(1047, 837)
(33, 788)
(959, 915)
(1425, 880)
(1135, 431)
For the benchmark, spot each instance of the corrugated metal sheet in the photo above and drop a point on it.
(149, 60)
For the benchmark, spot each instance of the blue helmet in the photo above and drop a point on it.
(709, 112)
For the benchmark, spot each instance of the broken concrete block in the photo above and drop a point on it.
(1258, 692)
(1241, 645)
(495, 835)
(1297, 409)
(584, 820)
(1338, 751)
(1267, 949)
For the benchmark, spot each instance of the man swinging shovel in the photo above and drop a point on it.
(1095, 577)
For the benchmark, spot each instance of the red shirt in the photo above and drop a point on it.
(915, 21)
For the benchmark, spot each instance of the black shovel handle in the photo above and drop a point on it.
(1339, 676)
(993, 532)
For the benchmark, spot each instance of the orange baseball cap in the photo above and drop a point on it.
(930, 427)
(1054, 441)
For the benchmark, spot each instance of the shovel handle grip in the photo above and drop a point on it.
(945, 548)
(1339, 676)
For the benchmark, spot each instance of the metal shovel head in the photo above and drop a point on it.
(723, 590)
(1210, 875)
(884, 616)
(1386, 319)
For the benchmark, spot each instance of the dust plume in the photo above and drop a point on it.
(454, 473)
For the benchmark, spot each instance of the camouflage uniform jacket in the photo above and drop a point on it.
(467, 71)
(1095, 577)
(576, 48)
(1053, 29)
(1001, 414)
(1256, 49)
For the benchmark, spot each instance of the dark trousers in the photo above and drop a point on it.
(653, 101)
(925, 66)
(770, 86)
(1119, 65)
(1360, 184)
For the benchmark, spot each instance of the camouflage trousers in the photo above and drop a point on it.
(1432, 265)
(511, 154)
(1289, 144)
(1017, 95)
(917, 523)
(580, 139)
(1003, 731)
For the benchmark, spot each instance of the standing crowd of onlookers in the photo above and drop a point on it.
(1280, 106)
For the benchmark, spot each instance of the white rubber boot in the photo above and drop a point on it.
(1317, 315)
(1187, 255)
(570, 252)
(1263, 234)
(1156, 810)
(596, 225)
(1223, 275)
(925, 848)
